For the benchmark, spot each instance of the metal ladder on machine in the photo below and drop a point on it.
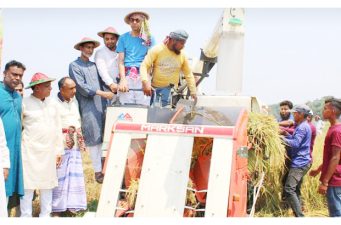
(165, 169)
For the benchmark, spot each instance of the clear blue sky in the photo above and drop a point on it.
(289, 53)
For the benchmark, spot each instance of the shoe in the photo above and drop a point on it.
(99, 177)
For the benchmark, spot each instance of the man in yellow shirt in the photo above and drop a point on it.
(167, 61)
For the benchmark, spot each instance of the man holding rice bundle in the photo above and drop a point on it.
(299, 153)
(331, 165)
(286, 118)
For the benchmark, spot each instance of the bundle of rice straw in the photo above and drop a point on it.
(190, 197)
(131, 194)
(266, 155)
(191, 200)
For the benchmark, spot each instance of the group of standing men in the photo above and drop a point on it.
(299, 136)
(44, 135)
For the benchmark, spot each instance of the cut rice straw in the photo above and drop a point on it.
(266, 155)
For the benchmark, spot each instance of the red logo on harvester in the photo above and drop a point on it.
(128, 117)
(125, 117)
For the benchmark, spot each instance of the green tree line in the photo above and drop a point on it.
(316, 105)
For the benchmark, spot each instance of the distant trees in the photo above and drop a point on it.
(316, 105)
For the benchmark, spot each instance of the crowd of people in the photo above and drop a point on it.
(299, 133)
(42, 136)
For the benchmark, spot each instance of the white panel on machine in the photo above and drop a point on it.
(126, 114)
(164, 176)
(111, 187)
(219, 178)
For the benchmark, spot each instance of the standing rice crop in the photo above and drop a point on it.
(314, 204)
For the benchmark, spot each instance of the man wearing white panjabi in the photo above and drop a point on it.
(4, 166)
(42, 145)
(106, 59)
(70, 193)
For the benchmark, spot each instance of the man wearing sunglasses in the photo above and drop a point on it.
(168, 61)
(132, 48)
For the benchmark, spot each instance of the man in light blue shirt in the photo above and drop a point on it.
(132, 48)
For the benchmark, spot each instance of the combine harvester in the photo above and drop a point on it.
(187, 161)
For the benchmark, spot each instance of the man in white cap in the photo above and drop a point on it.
(132, 48)
(91, 98)
(42, 145)
(106, 58)
(168, 61)
(299, 154)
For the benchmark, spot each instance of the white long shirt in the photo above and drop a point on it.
(107, 65)
(42, 141)
(69, 113)
(4, 163)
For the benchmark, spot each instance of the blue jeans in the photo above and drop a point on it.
(334, 201)
(292, 188)
(164, 93)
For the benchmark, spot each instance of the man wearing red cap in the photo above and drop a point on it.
(132, 48)
(91, 98)
(106, 58)
(42, 145)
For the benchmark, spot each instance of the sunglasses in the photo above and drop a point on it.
(137, 20)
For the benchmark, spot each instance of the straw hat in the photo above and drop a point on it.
(39, 78)
(126, 18)
(109, 30)
(86, 40)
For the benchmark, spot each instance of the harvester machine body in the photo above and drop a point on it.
(184, 152)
